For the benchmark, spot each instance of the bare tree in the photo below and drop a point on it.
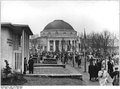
(104, 41)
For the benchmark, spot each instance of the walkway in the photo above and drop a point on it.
(85, 75)
(56, 71)
(69, 70)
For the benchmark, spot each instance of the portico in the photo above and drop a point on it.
(57, 44)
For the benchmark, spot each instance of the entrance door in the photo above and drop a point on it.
(57, 45)
(18, 59)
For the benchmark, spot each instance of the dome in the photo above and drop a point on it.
(58, 24)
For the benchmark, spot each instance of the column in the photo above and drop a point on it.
(43, 48)
(28, 48)
(60, 45)
(54, 45)
(75, 45)
(66, 44)
(71, 45)
(48, 46)
(23, 40)
(78, 46)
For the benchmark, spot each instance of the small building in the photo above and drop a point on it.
(14, 45)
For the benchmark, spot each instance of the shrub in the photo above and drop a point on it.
(7, 69)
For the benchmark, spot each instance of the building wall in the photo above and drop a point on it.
(25, 47)
(6, 47)
(59, 33)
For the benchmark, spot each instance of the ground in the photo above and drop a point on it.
(52, 81)
(60, 81)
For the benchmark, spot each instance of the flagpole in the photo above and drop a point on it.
(84, 51)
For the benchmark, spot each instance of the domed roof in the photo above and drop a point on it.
(58, 24)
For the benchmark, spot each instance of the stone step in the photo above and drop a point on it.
(50, 61)
(50, 65)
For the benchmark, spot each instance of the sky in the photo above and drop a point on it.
(94, 16)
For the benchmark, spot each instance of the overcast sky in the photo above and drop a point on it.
(91, 15)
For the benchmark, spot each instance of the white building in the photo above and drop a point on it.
(58, 36)
(14, 45)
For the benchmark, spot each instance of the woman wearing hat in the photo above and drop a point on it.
(103, 76)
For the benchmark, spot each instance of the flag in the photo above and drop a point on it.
(84, 34)
(84, 38)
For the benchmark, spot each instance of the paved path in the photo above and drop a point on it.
(51, 70)
(73, 70)
(85, 75)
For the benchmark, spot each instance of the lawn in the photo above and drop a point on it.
(7, 81)
(52, 81)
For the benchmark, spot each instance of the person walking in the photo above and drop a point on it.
(103, 77)
(65, 58)
(31, 63)
(76, 58)
(79, 61)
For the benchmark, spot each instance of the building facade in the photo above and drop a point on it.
(14, 45)
(58, 36)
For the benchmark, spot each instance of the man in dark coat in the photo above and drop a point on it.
(94, 72)
(79, 60)
(90, 70)
(31, 62)
(65, 58)
(25, 65)
(76, 58)
(110, 67)
(115, 76)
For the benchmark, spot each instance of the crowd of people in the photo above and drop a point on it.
(98, 66)
(101, 69)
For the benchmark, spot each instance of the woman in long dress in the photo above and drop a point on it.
(103, 77)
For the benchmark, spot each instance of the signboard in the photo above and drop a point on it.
(10, 42)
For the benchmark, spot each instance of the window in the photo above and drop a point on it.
(20, 40)
(56, 32)
(45, 48)
(51, 48)
(64, 33)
